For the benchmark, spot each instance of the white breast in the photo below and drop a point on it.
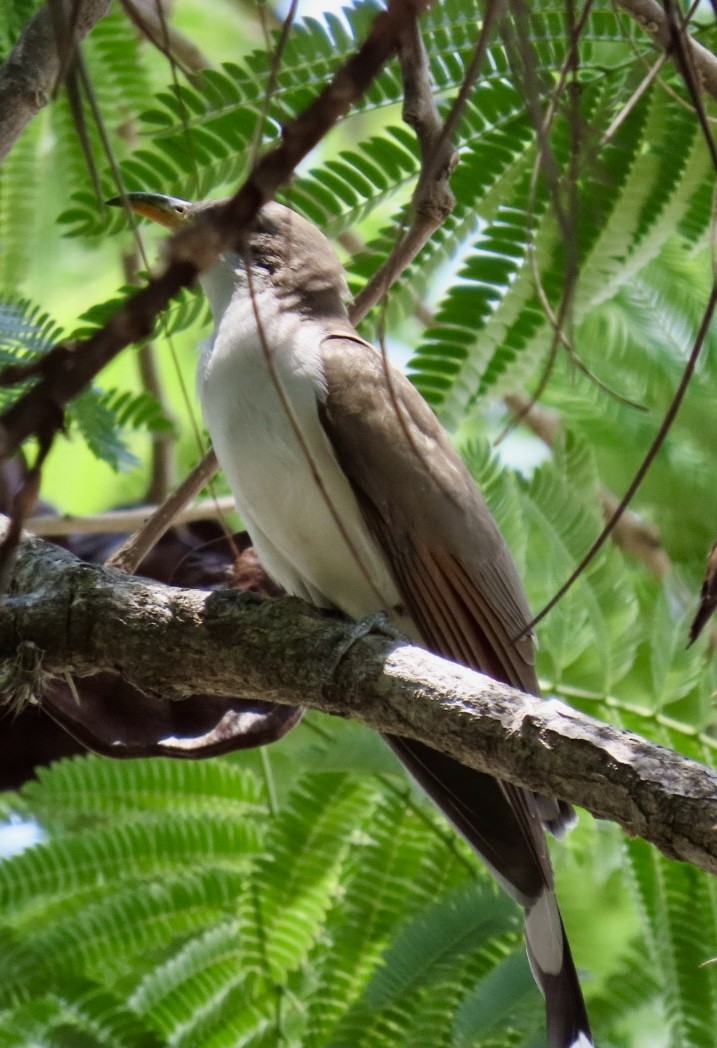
(259, 400)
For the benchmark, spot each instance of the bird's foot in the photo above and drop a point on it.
(376, 622)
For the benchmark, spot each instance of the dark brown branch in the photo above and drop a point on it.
(163, 443)
(153, 23)
(65, 371)
(34, 68)
(68, 617)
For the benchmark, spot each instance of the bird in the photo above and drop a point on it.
(356, 500)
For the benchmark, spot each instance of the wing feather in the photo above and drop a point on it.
(425, 511)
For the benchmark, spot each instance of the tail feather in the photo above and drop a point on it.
(567, 1018)
(502, 823)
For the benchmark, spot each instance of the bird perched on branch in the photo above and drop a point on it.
(355, 499)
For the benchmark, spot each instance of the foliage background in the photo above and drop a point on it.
(305, 895)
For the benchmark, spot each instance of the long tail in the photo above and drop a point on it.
(502, 824)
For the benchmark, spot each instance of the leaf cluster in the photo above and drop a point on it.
(184, 904)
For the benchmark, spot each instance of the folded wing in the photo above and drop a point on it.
(460, 588)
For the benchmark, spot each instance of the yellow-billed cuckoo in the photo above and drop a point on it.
(355, 499)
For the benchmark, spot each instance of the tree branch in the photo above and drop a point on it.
(35, 66)
(651, 18)
(68, 368)
(64, 616)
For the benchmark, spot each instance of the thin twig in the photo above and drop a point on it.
(432, 194)
(433, 198)
(632, 533)
(161, 473)
(120, 521)
(637, 94)
(524, 67)
(175, 46)
(162, 444)
(652, 451)
(132, 552)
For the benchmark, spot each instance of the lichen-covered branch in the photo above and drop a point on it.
(63, 616)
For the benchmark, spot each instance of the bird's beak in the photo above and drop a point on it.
(167, 210)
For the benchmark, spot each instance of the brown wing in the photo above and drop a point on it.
(456, 576)
(460, 587)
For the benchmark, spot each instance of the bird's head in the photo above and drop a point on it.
(286, 248)
(168, 211)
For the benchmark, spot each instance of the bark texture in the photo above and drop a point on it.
(62, 616)
(36, 65)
